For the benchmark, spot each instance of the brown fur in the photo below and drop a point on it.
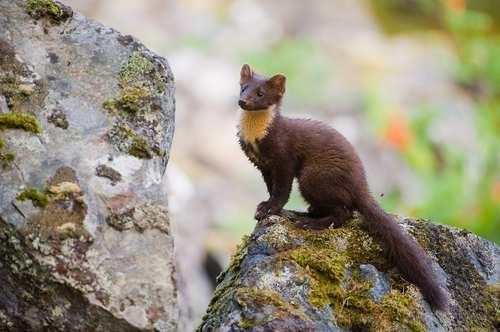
(330, 175)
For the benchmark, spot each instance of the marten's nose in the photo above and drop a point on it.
(242, 103)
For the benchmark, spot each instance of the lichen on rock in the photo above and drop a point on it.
(54, 11)
(6, 158)
(127, 140)
(19, 89)
(62, 208)
(14, 89)
(140, 71)
(30, 290)
(10, 120)
(55, 73)
(109, 173)
(141, 86)
(140, 218)
(132, 99)
(19, 84)
(339, 279)
(58, 119)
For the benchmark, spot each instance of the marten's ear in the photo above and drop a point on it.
(246, 73)
(278, 82)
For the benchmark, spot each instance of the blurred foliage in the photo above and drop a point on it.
(460, 189)
(402, 16)
(307, 66)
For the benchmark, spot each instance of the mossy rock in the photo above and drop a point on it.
(131, 100)
(6, 158)
(141, 84)
(38, 198)
(54, 11)
(127, 140)
(141, 71)
(56, 71)
(22, 121)
(11, 120)
(288, 279)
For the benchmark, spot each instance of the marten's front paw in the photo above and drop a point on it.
(265, 209)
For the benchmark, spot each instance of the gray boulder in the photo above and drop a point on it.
(287, 279)
(86, 123)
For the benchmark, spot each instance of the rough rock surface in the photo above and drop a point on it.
(86, 123)
(288, 279)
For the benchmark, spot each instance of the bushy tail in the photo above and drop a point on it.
(409, 257)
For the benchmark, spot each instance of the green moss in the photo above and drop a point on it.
(246, 323)
(221, 296)
(6, 159)
(236, 259)
(140, 148)
(492, 302)
(477, 312)
(39, 199)
(258, 298)
(136, 67)
(351, 303)
(63, 209)
(226, 282)
(23, 121)
(248, 297)
(71, 230)
(46, 9)
(140, 83)
(398, 307)
(14, 90)
(131, 100)
(140, 71)
(127, 140)
(328, 268)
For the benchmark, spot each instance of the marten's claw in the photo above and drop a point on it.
(317, 223)
(307, 225)
(265, 209)
(259, 215)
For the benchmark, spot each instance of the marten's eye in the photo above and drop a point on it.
(244, 87)
(260, 93)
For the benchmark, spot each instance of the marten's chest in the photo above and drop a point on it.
(253, 127)
(254, 153)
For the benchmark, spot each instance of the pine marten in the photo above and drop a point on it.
(330, 175)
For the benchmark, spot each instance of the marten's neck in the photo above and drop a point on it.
(254, 125)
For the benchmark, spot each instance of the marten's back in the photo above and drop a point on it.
(314, 141)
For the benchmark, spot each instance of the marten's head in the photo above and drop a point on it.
(260, 92)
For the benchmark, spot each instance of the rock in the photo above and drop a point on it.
(85, 240)
(108, 172)
(191, 216)
(287, 279)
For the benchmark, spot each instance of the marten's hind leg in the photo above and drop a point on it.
(311, 213)
(336, 217)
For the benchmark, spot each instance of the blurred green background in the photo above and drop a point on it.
(414, 84)
(454, 194)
